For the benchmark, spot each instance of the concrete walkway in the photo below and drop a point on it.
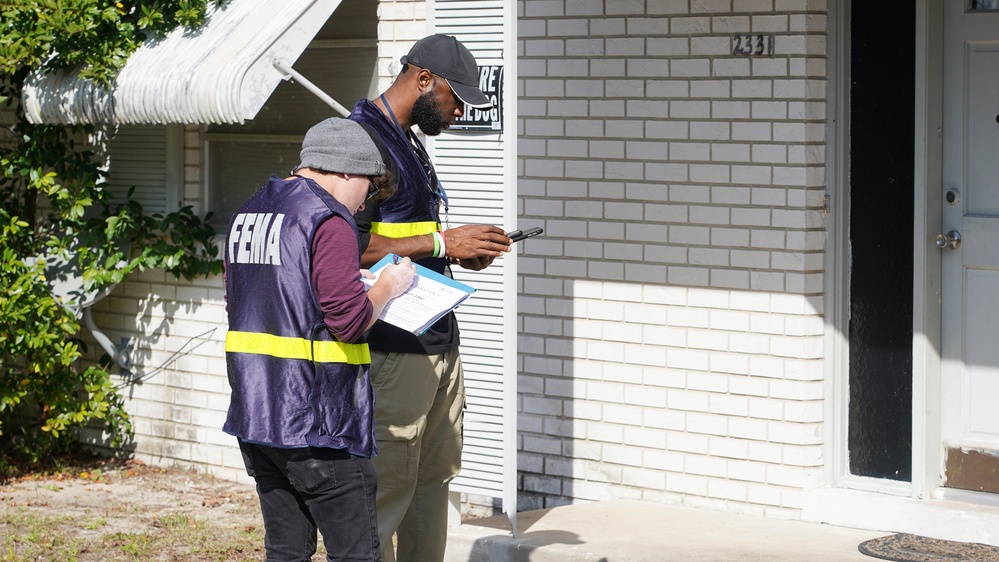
(635, 531)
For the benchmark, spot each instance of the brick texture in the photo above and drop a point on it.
(695, 356)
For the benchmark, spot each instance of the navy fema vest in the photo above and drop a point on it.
(413, 210)
(293, 385)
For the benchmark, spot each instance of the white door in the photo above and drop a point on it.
(970, 283)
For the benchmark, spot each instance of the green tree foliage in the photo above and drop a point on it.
(52, 203)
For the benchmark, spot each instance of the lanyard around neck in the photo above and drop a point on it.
(391, 113)
(422, 156)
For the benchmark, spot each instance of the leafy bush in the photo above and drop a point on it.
(53, 203)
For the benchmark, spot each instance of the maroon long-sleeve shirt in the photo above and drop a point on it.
(336, 279)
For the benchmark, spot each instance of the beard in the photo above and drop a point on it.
(427, 115)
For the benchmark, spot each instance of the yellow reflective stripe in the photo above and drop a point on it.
(403, 229)
(297, 348)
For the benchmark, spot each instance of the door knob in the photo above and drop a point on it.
(950, 240)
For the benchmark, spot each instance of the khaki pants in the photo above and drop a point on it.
(419, 400)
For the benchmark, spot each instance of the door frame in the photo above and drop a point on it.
(927, 456)
(927, 441)
(837, 257)
(927, 444)
(870, 503)
(959, 441)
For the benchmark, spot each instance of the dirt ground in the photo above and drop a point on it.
(128, 511)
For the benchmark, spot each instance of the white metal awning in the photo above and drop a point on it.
(222, 72)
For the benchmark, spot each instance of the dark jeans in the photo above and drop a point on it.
(301, 490)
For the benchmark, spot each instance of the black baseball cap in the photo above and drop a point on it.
(446, 57)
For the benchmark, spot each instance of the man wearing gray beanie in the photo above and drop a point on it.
(302, 404)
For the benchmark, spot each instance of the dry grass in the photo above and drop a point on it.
(90, 510)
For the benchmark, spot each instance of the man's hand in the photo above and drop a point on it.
(393, 281)
(474, 264)
(475, 241)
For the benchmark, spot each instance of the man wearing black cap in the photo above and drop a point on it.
(419, 391)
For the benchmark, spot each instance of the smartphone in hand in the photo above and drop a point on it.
(518, 235)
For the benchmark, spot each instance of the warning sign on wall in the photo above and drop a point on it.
(491, 84)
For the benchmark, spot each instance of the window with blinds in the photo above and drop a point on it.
(148, 158)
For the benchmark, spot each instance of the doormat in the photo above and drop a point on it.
(904, 547)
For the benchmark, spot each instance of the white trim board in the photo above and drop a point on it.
(949, 519)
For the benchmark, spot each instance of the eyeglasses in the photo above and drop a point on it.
(372, 188)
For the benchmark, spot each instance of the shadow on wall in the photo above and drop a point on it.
(177, 335)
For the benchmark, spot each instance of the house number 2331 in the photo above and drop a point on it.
(753, 45)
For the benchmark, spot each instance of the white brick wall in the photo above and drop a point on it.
(671, 340)
(178, 394)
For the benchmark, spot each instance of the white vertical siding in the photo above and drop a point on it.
(478, 171)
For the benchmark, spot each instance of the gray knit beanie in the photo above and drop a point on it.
(341, 145)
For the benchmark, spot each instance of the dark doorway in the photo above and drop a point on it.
(882, 129)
